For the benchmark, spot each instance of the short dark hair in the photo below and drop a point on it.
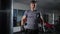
(33, 2)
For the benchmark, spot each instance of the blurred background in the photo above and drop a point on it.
(11, 12)
(50, 12)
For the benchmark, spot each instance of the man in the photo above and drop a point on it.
(31, 17)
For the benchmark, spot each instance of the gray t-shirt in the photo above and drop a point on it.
(32, 19)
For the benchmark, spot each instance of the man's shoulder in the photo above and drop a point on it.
(38, 11)
(27, 10)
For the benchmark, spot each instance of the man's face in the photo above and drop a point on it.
(33, 5)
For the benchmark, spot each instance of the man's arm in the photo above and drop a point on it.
(41, 17)
(23, 20)
(42, 21)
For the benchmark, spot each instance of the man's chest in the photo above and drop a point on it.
(33, 15)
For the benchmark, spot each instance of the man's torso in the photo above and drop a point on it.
(32, 19)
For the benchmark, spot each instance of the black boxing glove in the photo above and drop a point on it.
(22, 28)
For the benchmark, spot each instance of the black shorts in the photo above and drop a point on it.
(30, 31)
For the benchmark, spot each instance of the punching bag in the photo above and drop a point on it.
(5, 9)
(3, 23)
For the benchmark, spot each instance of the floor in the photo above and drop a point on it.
(39, 33)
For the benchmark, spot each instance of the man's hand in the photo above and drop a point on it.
(22, 28)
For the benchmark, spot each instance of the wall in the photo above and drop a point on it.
(16, 29)
(20, 6)
(50, 13)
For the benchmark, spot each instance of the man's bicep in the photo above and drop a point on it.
(23, 17)
(25, 13)
(41, 16)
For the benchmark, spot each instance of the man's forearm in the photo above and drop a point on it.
(23, 20)
(22, 23)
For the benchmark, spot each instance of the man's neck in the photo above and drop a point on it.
(32, 9)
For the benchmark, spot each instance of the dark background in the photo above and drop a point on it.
(5, 16)
(5, 4)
